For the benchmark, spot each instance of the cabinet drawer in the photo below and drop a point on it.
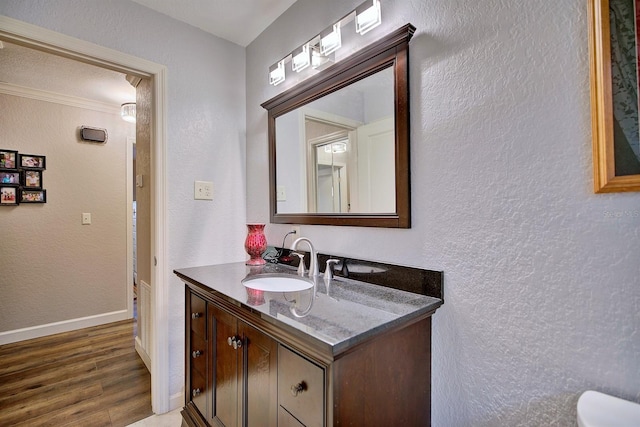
(198, 315)
(301, 388)
(197, 353)
(198, 393)
(285, 419)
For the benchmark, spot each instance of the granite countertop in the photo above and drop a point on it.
(342, 314)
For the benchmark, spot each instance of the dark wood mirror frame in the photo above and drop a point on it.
(390, 51)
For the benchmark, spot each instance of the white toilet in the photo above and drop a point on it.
(601, 410)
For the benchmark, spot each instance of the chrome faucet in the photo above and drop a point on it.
(328, 272)
(313, 265)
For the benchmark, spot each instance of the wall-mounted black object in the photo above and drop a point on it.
(92, 134)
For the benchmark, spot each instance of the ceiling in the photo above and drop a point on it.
(239, 21)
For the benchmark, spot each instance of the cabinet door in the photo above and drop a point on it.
(225, 386)
(259, 377)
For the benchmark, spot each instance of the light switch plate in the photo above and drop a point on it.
(86, 218)
(203, 190)
(281, 193)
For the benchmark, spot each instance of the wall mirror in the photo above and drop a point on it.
(339, 141)
(614, 42)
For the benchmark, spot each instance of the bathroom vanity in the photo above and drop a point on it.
(355, 354)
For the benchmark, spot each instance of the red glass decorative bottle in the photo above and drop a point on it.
(255, 244)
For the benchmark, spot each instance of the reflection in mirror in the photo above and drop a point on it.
(336, 154)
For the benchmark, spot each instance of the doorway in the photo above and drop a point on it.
(38, 38)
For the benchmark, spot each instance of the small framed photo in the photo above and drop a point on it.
(9, 178)
(9, 196)
(32, 179)
(32, 161)
(8, 159)
(33, 196)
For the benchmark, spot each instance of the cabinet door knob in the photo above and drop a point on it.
(196, 392)
(298, 388)
(196, 315)
(196, 353)
(234, 342)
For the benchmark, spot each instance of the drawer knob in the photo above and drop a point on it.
(234, 342)
(196, 315)
(196, 353)
(196, 392)
(298, 388)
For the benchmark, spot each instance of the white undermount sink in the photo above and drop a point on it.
(278, 283)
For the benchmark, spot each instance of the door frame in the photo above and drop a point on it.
(131, 142)
(35, 37)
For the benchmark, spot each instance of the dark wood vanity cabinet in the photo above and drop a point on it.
(246, 369)
(231, 369)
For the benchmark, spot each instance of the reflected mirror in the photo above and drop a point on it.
(339, 141)
(336, 154)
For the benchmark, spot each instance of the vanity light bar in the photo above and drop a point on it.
(316, 52)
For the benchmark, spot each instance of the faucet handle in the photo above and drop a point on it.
(301, 268)
(328, 272)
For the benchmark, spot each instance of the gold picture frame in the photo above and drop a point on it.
(602, 110)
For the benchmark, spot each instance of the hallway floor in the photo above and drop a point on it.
(90, 377)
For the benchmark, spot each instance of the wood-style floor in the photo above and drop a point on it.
(90, 377)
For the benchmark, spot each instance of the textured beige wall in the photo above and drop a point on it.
(52, 268)
(143, 194)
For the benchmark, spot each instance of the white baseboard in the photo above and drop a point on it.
(176, 401)
(143, 354)
(58, 327)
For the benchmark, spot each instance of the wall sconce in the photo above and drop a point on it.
(301, 58)
(128, 112)
(367, 18)
(316, 51)
(276, 73)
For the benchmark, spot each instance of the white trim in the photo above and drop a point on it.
(63, 326)
(177, 400)
(143, 354)
(58, 98)
(159, 279)
(129, 204)
(144, 338)
(33, 36)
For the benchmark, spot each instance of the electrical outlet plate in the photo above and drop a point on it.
(296, 228)
(203, 190)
